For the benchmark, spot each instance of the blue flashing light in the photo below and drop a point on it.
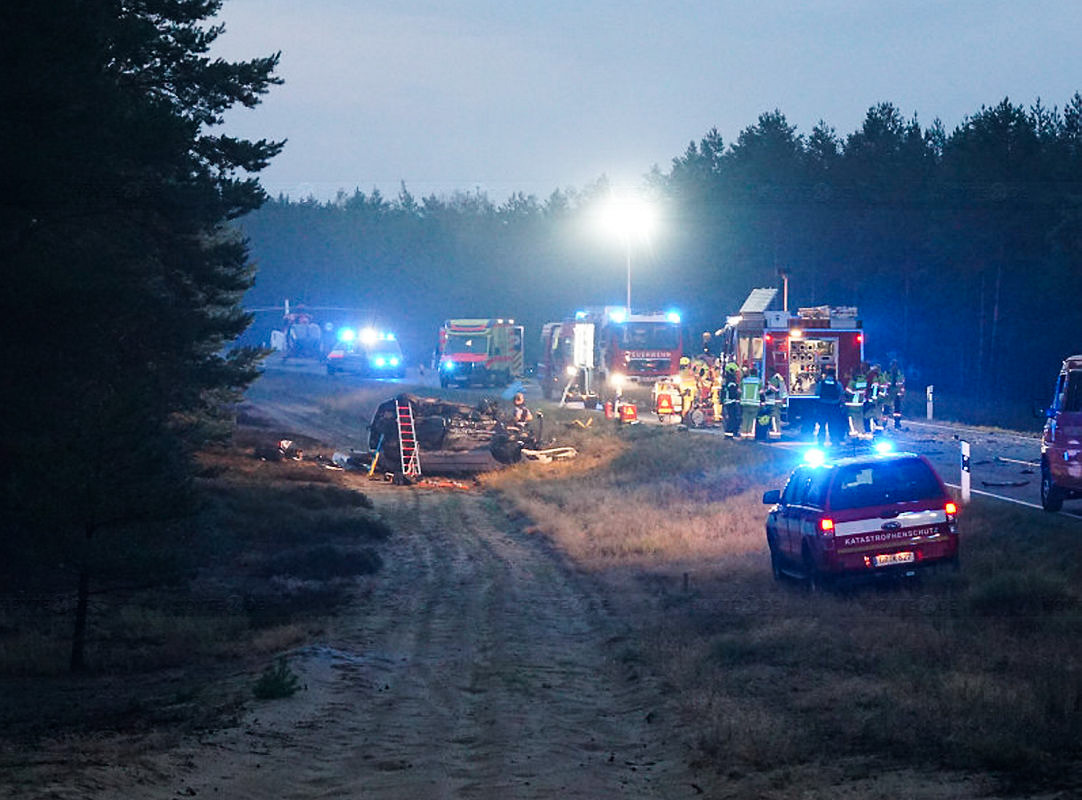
(580, 315)
(673, 317)
(814, 457)
(884, 447)
(346, 334)
(619, 316)
(447, 366)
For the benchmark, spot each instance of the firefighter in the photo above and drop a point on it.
(749, 402)
(731, 406)
(885, 405)
(871, 400)
(521, 415)
(776, 393)
(895, 392)
(856, 389)
(829, 407)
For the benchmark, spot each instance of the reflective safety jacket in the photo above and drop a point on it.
(749, 390)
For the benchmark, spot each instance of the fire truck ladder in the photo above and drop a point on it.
(407, 438)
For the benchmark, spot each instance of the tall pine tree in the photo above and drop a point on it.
(123, 278)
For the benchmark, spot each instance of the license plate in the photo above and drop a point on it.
(904, 557)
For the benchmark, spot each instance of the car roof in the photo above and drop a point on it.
(870, 458)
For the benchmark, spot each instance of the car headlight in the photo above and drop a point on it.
(381, 361)
(394, 361)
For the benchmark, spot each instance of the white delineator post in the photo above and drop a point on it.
(965, 471)
(928, 397)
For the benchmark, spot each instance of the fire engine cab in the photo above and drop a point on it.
(796, 346)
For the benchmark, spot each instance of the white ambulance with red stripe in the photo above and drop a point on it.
(875, 514)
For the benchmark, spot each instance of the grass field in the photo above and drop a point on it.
(973, 672)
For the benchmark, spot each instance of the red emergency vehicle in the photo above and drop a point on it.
(797, 346)
(485, 351)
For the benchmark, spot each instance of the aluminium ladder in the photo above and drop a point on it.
(407, 438)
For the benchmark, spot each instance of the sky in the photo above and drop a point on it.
(507, 96)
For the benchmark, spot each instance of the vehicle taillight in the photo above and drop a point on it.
(860, 337)
(951, 509)
(826, 525)
(768, 337)
(334, 354)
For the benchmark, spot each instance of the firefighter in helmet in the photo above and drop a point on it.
(522, 414)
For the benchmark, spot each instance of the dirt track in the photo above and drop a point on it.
(477, 664)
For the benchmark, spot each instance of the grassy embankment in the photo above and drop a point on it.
(976, 671)
(274, 550)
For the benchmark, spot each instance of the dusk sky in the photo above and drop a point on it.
(528, 96)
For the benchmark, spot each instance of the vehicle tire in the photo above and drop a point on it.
(814, 580)
(1051, 495)
(775, 560)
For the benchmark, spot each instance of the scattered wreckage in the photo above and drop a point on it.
(413, 434)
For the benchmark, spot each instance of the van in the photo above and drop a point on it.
(1061, 441)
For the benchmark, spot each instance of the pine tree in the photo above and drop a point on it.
(123, 276)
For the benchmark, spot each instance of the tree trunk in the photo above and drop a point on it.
(78, 639)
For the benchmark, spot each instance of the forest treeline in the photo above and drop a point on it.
(962, 250)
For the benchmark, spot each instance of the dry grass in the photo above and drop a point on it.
(976, 672)
(277, 548)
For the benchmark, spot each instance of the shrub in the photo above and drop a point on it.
(277, 681)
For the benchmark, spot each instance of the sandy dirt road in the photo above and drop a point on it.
(476, 664)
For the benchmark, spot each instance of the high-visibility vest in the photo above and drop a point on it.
(749, 390)
(857, 390)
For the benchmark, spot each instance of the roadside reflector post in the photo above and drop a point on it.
(965, 470)
(929, 398)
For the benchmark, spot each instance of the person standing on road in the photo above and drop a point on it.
(896, 391)
(776, 394)
(749, 402)
(829, 406)
(731, 406)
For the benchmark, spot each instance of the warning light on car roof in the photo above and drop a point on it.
(673, 317)
(618, 315)
(884, 447)
(369, 336)
(814, 457)
(346, 334)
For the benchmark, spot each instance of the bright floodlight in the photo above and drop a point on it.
(369, 336)
(629, 217)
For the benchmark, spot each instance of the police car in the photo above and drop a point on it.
(368, 353)
(874, 514)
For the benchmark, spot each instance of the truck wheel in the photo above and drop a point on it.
(1051, 495)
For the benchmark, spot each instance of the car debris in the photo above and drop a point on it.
(456, 438)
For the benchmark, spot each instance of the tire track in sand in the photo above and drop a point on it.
(478, 666)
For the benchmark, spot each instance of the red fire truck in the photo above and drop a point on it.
(796, 345)
(614, 345)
